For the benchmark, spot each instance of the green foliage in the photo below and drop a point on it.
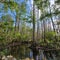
(21, 31)
(50, 37)
(9, 4)
(57, 1)
(50, 34)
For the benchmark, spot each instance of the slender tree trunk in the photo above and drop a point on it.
(15, 22)
(51, 18)
(34, 50)
(33, 22)
(52, 23)
(49, 26)
(18, 25)
(44, 30)
(34, 55)
(37, 25)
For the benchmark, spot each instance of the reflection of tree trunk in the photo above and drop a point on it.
(42, 56)
(54, 58)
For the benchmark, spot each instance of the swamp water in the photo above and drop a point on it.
(25, 53)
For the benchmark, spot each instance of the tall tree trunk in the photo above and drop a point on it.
(37, 25)
(15, 22)
(49, 26)
(52, 22)
(34, 50)
(33, 22)
(44, 31)
(51, 18)
(18, 21)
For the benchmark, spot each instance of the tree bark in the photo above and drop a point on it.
(33, 22)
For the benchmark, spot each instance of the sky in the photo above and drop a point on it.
(28, 7)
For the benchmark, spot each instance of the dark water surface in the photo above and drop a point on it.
(23, 52)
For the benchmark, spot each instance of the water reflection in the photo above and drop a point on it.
(25, 53)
